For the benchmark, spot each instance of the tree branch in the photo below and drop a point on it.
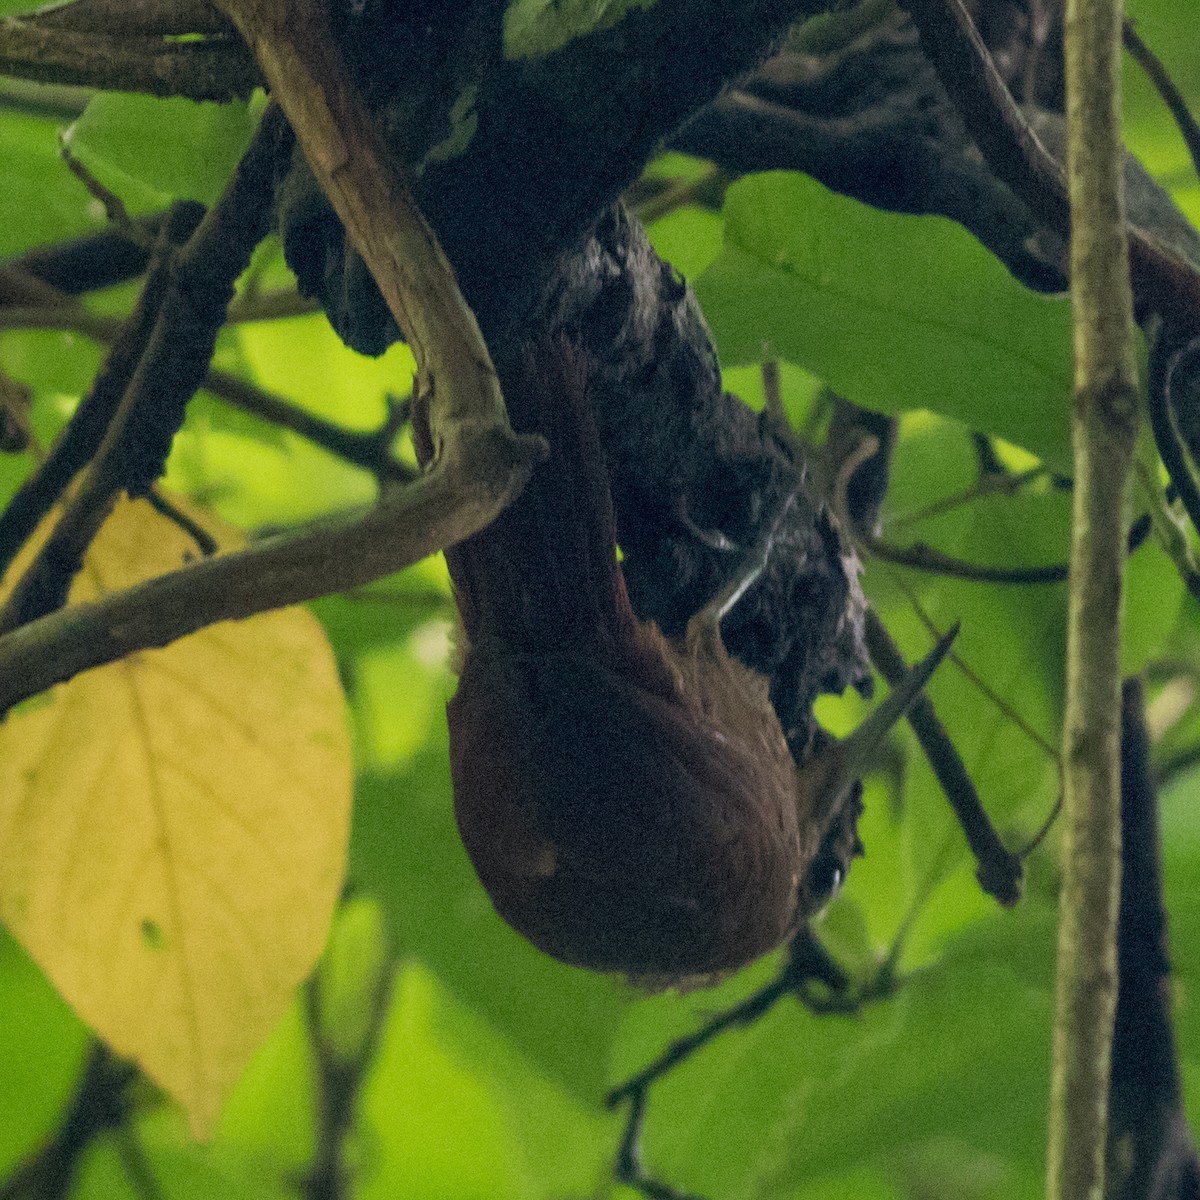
(999, 871)
(480, 465)
(1104, 430)
(365, 183)
(207, 69)
(1163, 281)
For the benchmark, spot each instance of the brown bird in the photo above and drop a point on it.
(629, 802)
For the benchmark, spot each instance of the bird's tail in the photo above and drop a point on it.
(543, 577)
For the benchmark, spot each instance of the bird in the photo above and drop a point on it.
(628, 801)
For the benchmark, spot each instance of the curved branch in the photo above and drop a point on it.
(449, 503)
(1162, 281)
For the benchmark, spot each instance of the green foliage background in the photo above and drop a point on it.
(493, 1060)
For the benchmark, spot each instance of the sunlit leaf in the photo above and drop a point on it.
(535, 28)
(407, 852)
(161, 149)
(456, 1112)
(173, 829)
(42, 1046)
(893, 312)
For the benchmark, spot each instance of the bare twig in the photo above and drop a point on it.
(367, 449)
(370, 450)
(100, 1104)
(84, 433)
(114, 206)
(337, 1088)
(94, 260)
(205, 542)
(808, 963)
(480, 464)
(922, 557)
(999, 870)
(990, 483)
(210, 68)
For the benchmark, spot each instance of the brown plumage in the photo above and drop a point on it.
(629, 802)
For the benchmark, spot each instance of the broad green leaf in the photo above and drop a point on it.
(41, 201)
(42, 1046)
(462, 1107)
(406, 851)
(535, 28)
(247, 470)
(893, 312)
(441, 1128)
(1153, 592)
(150, 151)
(958, 1059)
(303, 359)
(173, 828)
(176, 1173)
(688, 238)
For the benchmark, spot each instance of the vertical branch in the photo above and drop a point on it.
(1104, 428)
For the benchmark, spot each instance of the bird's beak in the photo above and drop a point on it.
(826, 779)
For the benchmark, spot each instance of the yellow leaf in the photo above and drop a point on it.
(173, 827)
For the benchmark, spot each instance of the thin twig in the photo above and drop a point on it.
(94, 260)
(369, 450)
(114, 206)
(184, 307)
(101, 1103)
(922, 557)
(808, 962)
(998, 701)
(999, 870)
(677, 194)
(216, 68)
(38, 494)
(137, 1166)
(205, 542)
(990, 483)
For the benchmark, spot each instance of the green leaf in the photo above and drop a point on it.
(42, 1044)
(954, 1066)
(405, 850)
(456, 1112)
(688, 238)
(893, 312)
(41, 201)
(150, 151)
(535, 28)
